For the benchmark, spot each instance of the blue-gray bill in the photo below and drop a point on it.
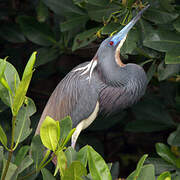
(121, 34)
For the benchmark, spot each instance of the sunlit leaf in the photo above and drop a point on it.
(97, 166)
(22, 126)
(11, 79)
(61, 162)
(75, 171)
(23, 85)
(82, 155)
(71, 155)
(164, 176)
(50, 133)
(147, 173)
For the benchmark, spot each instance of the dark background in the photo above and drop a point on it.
(66, 33)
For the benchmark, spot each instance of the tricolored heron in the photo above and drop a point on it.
(103, 84)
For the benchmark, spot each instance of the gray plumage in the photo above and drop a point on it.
(103, 85)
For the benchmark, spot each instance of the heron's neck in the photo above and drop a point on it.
(112, 73)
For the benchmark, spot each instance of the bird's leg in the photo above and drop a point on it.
(76, 134)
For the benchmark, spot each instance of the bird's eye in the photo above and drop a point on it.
(111, 43)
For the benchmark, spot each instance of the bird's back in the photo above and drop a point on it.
(74, 96)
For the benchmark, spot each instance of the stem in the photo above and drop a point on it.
(11, 149)
(7, 165)
(35, 171)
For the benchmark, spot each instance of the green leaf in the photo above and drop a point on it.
(101, 13)
(177, 24)
(43, 57)
(159, 17)
(101, 3)
(160, 165)
(110, 28)
(22, 126)
(84, 38)
(3, 137)
(2, 67)
(147, 173)
(68, 137)
(130, 44)
(37, 150)
(164, 176)
(71, 155)
(162, 40)
(29, 66)
(50, 133)
(152, 111)
(98, 168)
(61, 162)
(21, 154)
(139, 168)
(151, 71)
(63, 7)
(174, 138)
(12, 33)
(140, 165)
(172, 57)
(165, 152)
(66, 126)
(42, 12)
(1, 158)
(82, 155)
(168, 5)
(167, 71)
(47, 175)
(11, 170)
(25, 163)
(23, 85)
(75, 171)
(39, 33)
(11, 79)
(73, 22)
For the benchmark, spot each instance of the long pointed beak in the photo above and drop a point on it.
(123, 33)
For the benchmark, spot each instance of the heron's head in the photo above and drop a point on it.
(110, 47)
(109, 50)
